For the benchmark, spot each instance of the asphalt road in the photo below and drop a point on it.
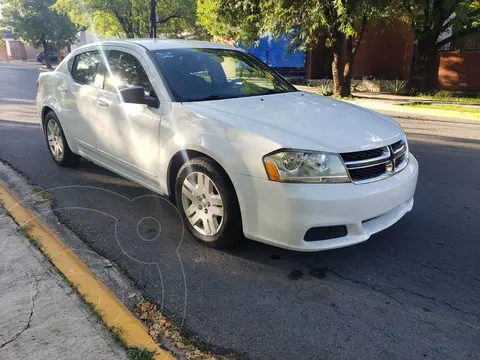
(410, 292)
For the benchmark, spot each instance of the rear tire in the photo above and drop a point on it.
(57, 143)
(208, 203)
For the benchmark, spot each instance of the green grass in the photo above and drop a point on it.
(89, 305)
(451, 107)
(465, 98)
(117, 336)
(140, 354)
(40, 191)
(23, 230)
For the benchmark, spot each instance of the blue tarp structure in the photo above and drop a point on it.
(274, 53)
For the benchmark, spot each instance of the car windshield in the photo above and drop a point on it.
(213, 74)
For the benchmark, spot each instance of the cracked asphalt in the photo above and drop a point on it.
(410, 292)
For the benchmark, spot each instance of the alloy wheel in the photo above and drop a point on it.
(55, 139)
(202, 203)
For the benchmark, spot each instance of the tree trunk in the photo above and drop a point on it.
(339, 88)
(59, 54)
(45, 52)
(347, 71)
(425, 70)
(126, 24)
(352, 48)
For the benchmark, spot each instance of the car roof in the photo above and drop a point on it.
(159, 44)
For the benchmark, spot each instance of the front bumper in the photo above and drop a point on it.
(280, 214)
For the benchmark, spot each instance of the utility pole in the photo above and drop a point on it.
(153, 18)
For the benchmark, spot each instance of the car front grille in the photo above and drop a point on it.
(376, 164)
(362, 155)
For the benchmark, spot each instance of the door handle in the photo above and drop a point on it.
(102, 103)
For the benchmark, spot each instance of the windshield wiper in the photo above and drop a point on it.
(212, 97)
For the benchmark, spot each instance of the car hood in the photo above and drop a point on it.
(304, 121)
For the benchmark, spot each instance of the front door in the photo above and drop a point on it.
(127, 134)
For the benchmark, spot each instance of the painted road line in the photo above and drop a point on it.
(113, 312)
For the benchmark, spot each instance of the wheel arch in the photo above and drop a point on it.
(177, 161)
(45, 110)
(180, 158)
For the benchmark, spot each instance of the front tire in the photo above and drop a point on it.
(57, 143)
(208, 204)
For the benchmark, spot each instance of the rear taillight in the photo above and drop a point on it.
(38, 84)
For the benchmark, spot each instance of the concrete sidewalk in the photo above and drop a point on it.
(27, 65)
(41, 316)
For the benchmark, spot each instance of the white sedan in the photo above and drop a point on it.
(238, 149)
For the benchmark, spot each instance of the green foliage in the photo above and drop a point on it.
(177, 17)
(454, 97)
(471, 111)
(433, 18)
(108, 17)
(304, 21)
(140, 354)
(397, 87)
(43, 194)
(36, 22)
(326, 88)
(24, 229)
(231, 19)
(129, 18)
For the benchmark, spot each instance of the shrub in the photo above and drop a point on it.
(325, 88)
(298, 81)
(397, 87)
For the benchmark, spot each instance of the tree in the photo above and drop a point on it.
(37, 23)
(429, 20)
(341, 23)
(108, 17)
(130, 18)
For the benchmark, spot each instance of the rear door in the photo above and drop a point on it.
(127, 134)
(76, 92)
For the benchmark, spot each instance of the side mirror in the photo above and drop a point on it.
(136, 95)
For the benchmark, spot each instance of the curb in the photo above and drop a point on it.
(112, 311)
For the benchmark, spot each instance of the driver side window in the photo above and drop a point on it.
(123, 71)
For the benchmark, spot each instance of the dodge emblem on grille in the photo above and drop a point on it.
(389, 167)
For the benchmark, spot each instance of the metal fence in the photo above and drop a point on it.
(466, 43)
(291, 72)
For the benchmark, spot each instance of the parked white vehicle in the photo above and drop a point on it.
(237, 147)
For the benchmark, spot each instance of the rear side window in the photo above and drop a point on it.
(125, 70)
(85, 67)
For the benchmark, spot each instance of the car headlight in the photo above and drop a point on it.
(301, 166)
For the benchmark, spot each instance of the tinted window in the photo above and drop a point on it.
(124, 70)
(211, 74)
(85, 67)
